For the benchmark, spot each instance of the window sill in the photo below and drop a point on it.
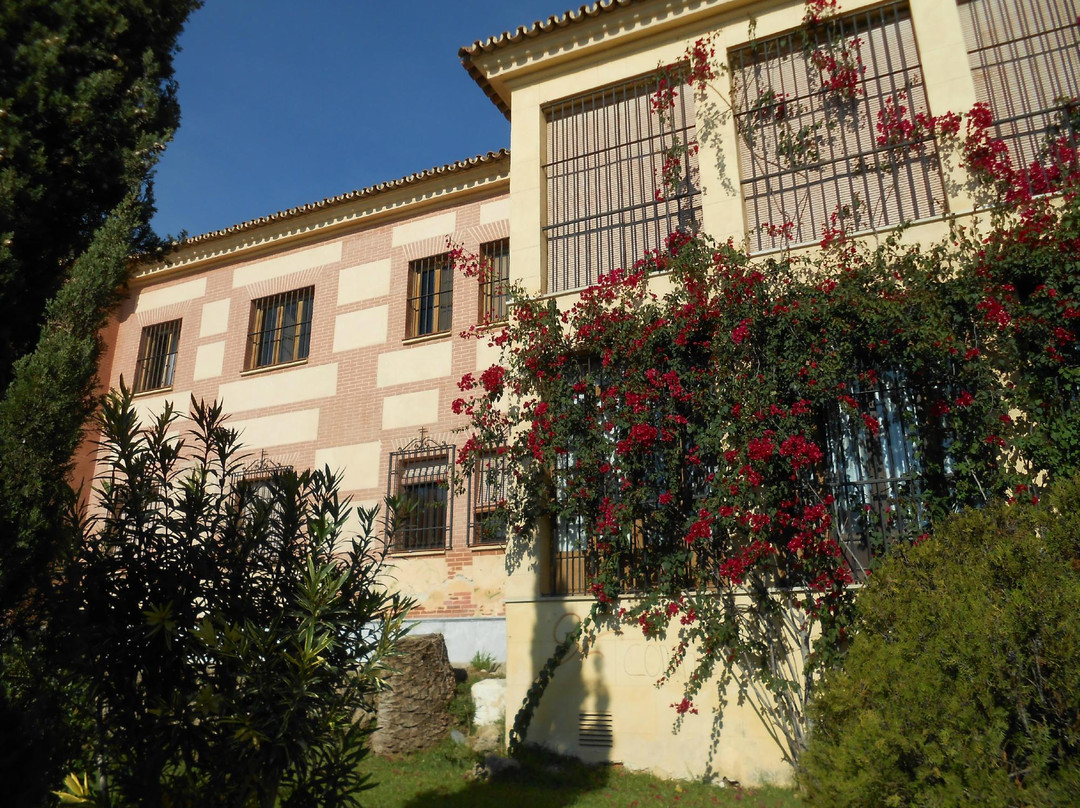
(269, 368)
(433, 553)
(426, 338)
(492, 548)
(152, 391)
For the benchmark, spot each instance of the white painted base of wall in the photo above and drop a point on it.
(467, 636)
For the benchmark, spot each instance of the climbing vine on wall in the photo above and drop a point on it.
(731, 440)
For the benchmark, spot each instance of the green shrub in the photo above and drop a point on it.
(226, 631)
(962, 685)
(483, 661)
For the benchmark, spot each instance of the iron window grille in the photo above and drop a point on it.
(156, 365)
(1025, 61)
(280, 328)
(495, 278)
(604, 167)
(488, 493)
(430, 305)
(874, 478)
(252, 487)
(573, 562)
(573, 557)
(419, 479)
(815, 158)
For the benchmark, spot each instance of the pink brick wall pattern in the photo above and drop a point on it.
(354, 414)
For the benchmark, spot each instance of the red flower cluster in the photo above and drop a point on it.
(492, 379)
(840, 68)
(818, 11)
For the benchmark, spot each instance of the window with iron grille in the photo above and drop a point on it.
(605, 158)
(253, 488)
(573, 564)
(280, 328)
(808, 105)
(418, 479)
(573, 559)
(431, 296)
(874, 477)
(1025, 61)
(487, 496)
(157, 356)
(495, 277)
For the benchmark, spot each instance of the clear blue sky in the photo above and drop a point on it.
(285, 103)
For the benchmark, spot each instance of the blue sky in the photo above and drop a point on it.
(285, 103)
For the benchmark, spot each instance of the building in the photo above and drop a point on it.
(329, 330)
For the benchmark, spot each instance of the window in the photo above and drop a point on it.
(253, 489)
(809, 107)
(157, 356)
(495, 277)
(280, 328)
(418, 480)
(573, 565)
(874, 478)
(487, 493)
(573, 558)
(431, 296)
(605, 159)
(1025, 61)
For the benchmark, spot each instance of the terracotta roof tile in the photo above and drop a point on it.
(371, 190)
(506, 38)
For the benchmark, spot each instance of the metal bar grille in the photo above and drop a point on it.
(596, 730)
(487, 497)
(431, 295)
(495, 256)
(418, 479)
(280, 329)
(1025, 61)
(807, 152)
(605, 157)
(157, 356)
(874, 478)
(573, 564)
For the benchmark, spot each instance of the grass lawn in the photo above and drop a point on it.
(440, 777)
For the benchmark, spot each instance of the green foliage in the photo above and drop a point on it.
(440, 777)
(689, 421)
(461, 706)
(961, 685)
(226, 633)
(41, 423)
(484, 661)
(87, 102)
(47, 403)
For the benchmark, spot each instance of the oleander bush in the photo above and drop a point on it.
(225, 630)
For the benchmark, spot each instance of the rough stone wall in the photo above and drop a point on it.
(412, 714)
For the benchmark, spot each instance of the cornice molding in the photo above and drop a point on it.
(399, 199)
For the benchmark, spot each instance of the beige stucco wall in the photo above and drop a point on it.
(617, 46)
(619, 676)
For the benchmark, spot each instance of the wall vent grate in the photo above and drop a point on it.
(595, 730)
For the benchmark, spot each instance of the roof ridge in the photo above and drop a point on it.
(348, 196)
(521, 33)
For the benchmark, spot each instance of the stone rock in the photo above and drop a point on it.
(412, 714)
(489, 699)
(488, 738)
(457, 737)
(495, 767)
